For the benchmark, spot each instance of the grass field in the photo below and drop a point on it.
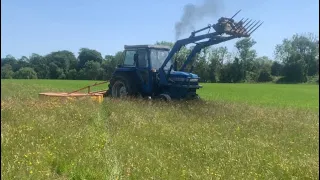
(241, 131)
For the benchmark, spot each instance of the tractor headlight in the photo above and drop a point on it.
(193, 80)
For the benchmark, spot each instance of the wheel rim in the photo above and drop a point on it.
(119, 90)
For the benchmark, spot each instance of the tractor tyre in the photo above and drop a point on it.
(197, 97)
(165, 97)
(120, 87)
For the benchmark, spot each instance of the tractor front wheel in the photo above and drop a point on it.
(165, 97)
(197, 97)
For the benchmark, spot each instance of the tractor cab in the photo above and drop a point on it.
(149, 57)
(146, 61)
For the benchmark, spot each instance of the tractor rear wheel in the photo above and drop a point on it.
(120, 87)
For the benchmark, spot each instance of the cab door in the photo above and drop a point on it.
(143, 68)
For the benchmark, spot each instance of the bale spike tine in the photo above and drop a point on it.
(254, 26)
(240, 27)
(235, 14)
(248, 26)
(251, 24)
(245, 26)
(255, 29)
(237, 25)
(241, 20)
(247, 23)
(245, 20)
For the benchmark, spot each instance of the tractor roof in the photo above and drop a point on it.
(146, 46)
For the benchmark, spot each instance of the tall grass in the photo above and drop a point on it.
(135, 139)
(42, 140)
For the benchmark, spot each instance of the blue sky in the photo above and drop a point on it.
(39, 26)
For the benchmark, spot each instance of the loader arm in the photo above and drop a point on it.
(176, 48)
(192, 39)
(201, 45)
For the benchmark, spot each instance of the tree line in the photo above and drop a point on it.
(296, 61)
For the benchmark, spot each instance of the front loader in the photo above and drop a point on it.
(149, 71)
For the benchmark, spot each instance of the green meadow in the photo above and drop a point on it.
(239, 131)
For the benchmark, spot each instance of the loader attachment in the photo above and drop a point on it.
(242, 28)
(226, 26)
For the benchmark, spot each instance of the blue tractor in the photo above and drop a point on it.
(149, 71)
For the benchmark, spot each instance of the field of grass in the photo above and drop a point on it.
(271, 95)
(241, 131)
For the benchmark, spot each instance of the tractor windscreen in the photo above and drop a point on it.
(157, 58)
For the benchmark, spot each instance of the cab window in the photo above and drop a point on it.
(128, 60)
(142, 58)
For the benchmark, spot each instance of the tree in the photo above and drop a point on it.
(246, 54)
(295, 69)
(262, 69)
(118, 58)
(54, 71)
(264, 76)
(39, 64)
(276, 69)
(86, 55)
(12, 61)
(25, 73)
(92, 69)
(6, 72)
(216, 58)
(60, 63)
(72, 74)
(236, 73)
(226, 73)
(201, 66)
(180, 56)
(109, 65)
(24, 58)
(23, 62)
(262, 63)
(298, 55)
